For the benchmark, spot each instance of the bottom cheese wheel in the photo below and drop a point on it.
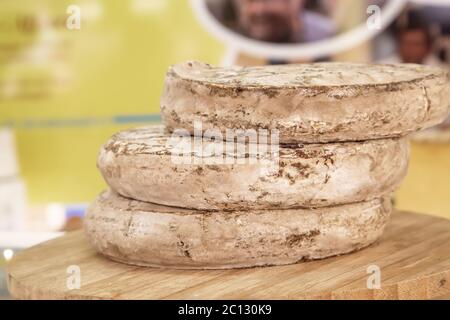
(147, 234)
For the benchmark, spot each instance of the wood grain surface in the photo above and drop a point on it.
(413, 257)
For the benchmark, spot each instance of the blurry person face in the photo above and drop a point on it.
(269, 20)
(414, 46)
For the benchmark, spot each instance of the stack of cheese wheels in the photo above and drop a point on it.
(259, 166)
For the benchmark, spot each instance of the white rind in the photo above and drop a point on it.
(138, 164)
(146, 234)
(309, 103)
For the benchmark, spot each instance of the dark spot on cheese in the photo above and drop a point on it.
(262, 195)
(184, 248)
(199, 171)
(304, 170)
(298, 239)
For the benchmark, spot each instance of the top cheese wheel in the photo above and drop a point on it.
(307, 103)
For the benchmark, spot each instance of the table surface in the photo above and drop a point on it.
(413, 259)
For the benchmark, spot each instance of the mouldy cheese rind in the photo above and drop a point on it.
(147, 234)
(144, 164)
(309, 103)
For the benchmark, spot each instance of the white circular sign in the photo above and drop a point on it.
(339, 43)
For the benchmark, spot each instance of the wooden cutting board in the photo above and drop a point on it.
(413, 258)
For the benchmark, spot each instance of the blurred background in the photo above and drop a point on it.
(72, 73)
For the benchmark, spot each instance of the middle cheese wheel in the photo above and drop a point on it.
(148, 165)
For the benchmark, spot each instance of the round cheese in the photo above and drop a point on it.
(146, 234)
(310, 103)
(183, 171)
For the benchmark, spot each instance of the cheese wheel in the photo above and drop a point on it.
(147, 234)
(310, 103)
(146, 164)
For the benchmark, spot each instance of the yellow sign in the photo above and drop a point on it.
(65, 88)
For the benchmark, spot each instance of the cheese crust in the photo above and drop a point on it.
(309, 103)
(144, 164)
(146, 234)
